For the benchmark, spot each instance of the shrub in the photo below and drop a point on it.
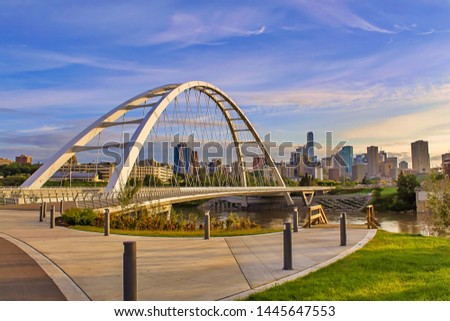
(147, 220)
(78, 216)
(234, 222)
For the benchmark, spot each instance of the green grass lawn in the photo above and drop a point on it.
(214, 233)
(391, 267)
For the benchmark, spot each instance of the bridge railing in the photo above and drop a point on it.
(99, 198)
(12, 195)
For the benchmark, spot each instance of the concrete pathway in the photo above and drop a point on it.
(88, 266)
(22, 279)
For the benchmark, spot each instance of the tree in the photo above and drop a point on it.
(306, 180)
(126, 194)
(406, 193)
(17, 169)
(15, 180)
(438, 204)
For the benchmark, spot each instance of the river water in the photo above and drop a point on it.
(272, 215)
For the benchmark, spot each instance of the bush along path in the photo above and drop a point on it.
(150, 221)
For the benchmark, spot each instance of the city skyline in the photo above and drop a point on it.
(373, 73)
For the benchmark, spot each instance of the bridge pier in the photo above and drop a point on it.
(308, 197)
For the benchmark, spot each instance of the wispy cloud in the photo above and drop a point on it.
(7, 110)
(42, 99)
(206, 28)
(426, 123)
(427, 32)
(337, 14)
(302, 98)
(24, 59)
(381, 98)
(405, 27)
(42, 129)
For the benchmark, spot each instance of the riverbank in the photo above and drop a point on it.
(392, 267)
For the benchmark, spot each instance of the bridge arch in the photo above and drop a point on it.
(162, 97)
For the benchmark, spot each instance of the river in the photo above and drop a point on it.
(272, 215)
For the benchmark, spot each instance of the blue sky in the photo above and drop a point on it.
(371, 72)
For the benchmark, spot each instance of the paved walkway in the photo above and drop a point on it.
(88, 266)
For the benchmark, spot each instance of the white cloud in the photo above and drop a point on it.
(29, 59)
(425, 123)
(336, 13)
(42, 129)
(309, 97)
(205, 28)
(44, 99)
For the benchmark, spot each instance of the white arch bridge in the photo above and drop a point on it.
(193, 132)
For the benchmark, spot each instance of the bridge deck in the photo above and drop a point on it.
(100, 198)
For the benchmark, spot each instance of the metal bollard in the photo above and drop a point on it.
(207, 225)
(129, 271)
(295, 219)
(343, 228)
(52, 216)
(44, 210)
(61, 207)
(287, 246)
(107, 220)
(41, 217)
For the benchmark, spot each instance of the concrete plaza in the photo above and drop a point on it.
(88, 266)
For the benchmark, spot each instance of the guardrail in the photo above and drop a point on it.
(99, 198)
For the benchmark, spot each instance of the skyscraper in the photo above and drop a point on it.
(373, 161)
(420, 156)
(359, 171)
(310, 146)
(446, 163)
(181, 159)
(346, 154)
(403, 165)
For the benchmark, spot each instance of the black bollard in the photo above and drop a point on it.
(61, 207)
(52, 216)
(343, 223)
(129, 271)
(44, 209)
(295, 219)
(207, 225)
(106, 221)
(41, 217)
(287, 246)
